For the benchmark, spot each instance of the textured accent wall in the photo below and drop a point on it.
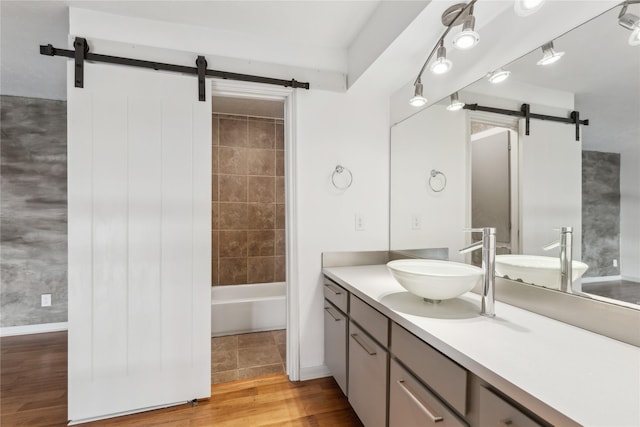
(248, 200)
(33, 224)
(600, 212)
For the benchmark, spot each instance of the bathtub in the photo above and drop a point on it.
(238, 309)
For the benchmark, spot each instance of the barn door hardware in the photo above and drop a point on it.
(81, 53)
(525, 112)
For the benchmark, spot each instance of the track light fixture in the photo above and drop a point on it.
(527, 7)
(468, 37)
(458, 14)
(499, 75)
(630, 22)
(418, 99)
(455, 104)
(549, 54)
(441, 65)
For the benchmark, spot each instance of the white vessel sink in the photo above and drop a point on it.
(539, 270)
(434, 279)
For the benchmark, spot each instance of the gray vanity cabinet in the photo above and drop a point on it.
(368, 363)
(412, 404)
(440, 373)
(494, 411)
(336, 327)
(393, 378)
(335, 348)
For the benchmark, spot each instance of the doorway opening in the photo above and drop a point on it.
(494, 185)
(248, 312)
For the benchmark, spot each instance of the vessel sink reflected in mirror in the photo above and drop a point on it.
(535, 269)
(435, 280)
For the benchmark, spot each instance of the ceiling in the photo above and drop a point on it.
(27, 24)
(331, 24)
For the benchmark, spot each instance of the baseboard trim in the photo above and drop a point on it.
(42, 328)
(631, 278)
(313, 372)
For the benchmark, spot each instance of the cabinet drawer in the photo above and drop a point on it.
(375, 323)
(368, 363)
(411, 404)
(443, 375)
(336, 294)
(335, 343)
(495, 412)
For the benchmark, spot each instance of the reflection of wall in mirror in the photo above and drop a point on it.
(630, 213)
(601, 213)
(549, 163)
(433, 139)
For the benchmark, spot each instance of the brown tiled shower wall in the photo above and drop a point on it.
(248, 212)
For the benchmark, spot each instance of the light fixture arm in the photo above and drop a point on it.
(440, 41)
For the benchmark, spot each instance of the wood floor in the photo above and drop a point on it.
(33, 392)
(621, 290)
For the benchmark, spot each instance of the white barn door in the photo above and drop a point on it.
(550, 186)
(139, 191)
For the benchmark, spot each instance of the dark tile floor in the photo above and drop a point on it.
(622, 290)
(238, 357)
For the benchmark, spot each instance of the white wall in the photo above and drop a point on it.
(350, 130)
(630, 214)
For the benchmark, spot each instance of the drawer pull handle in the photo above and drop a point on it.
(357, 339)
(333, 289)
(428, 411)
(506, 423)
(328, 310)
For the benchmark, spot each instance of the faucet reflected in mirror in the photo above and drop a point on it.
(488, 246)
(566, 257)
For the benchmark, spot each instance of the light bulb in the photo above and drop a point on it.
(499, 75)
(441, 65)
(634, 38)
(527, 7)
(455, 104)
(531, 4)
(549, 55)
(467, 38)
(418, 99)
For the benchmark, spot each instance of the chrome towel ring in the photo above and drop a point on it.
(341, 177)
(437, 181)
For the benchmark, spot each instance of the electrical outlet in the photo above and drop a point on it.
(416, 222)
(615, 262)
(45, 300)
(359, 222)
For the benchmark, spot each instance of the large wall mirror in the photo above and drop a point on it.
(451, 170)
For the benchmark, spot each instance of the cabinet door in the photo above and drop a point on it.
(495, 412)
(412, 405)
(368, 363)
(335, 344)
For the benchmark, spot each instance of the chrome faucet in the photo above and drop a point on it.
(566, 257)
(488, 245)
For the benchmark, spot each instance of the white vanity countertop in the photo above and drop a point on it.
(591, 379)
